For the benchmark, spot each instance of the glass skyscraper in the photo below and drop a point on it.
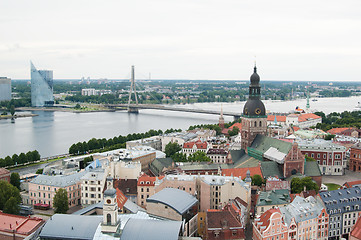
(41, 87)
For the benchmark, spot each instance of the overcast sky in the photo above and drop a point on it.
(182, 39)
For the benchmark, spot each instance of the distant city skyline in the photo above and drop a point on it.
(195, 40)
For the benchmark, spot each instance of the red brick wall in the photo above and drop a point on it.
(355, 159)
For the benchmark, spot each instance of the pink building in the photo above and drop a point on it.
(270, 225)
(274, 183)
(42, 189)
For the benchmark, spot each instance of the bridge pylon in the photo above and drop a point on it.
(132, 109)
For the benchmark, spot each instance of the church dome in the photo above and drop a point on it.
(255, 77)
(254, 107)
(110, 192)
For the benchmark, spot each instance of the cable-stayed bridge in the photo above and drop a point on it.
(135, 107)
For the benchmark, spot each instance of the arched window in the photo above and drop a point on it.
(109, 218)
(260, 123)
(255, 123)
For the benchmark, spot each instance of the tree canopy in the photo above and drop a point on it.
(198, 156)
(7, 192)
(257, 180)
(171, 149)
(298, 184)
(15, 179)
(60, 201)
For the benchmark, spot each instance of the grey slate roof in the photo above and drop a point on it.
(177, 199)
(59, 180)
(145, 229)
(157, 166)
(63, 226)
(336, 201)
(302, 209)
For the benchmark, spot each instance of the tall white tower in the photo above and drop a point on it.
(110, 222)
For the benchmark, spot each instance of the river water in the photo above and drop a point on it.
(52, 133)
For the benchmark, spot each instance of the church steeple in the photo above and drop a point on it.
(254, 119)
(221, 119)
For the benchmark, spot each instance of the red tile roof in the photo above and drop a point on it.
(121, 198)
(4, 171)
(356, 229)
(22, 225)
(199, 145)
(351, 184)
(265, 217)
(242, 172)
(238, 125)
(306, 116)
(217, 219)
(146, 180)
(336, 130)
(279, 118)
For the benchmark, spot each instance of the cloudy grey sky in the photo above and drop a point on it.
(182, 39)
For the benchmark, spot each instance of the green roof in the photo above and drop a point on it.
(274, 197)
(312, 169)
(157, 166)
(242, 160)
(271, 169)
(262, 144)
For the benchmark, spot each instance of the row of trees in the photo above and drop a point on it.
(103, 144)
(344, 119)
(31, 156)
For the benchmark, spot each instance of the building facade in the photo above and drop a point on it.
(5, 89)
(355, 158)
(306, 218)
(192, 147)
(330, 157)
(92, 186)
(217, 155)
(343, 206)
(270, 225)
(42, 189)
(4, 174)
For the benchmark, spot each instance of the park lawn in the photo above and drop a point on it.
(332, 186)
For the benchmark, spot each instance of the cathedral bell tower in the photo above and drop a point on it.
(254, 119)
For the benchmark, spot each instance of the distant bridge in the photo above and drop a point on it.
(135, 107)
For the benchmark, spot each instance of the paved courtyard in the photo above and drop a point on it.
(340, 180)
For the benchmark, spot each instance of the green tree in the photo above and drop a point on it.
(77, 106)
(22, 158)
(179, 157)
(60, 201)
(329, 136)
(171, 149)
(257, 180)
(12, 206)
(73, 149)
(15, 179)
(12, 110)
(234, 131)
(15, 158)
(6, 192)
(39, 171)
(310, 159)
(198, 156)
(9, 161)
(297, 184)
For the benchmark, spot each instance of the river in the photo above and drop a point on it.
(52, 133)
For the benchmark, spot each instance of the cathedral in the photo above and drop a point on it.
(276, 157)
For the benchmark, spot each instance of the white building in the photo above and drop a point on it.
(5, 89)
(92, 185)
(177, 137)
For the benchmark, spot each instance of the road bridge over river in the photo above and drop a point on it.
(135, 107)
